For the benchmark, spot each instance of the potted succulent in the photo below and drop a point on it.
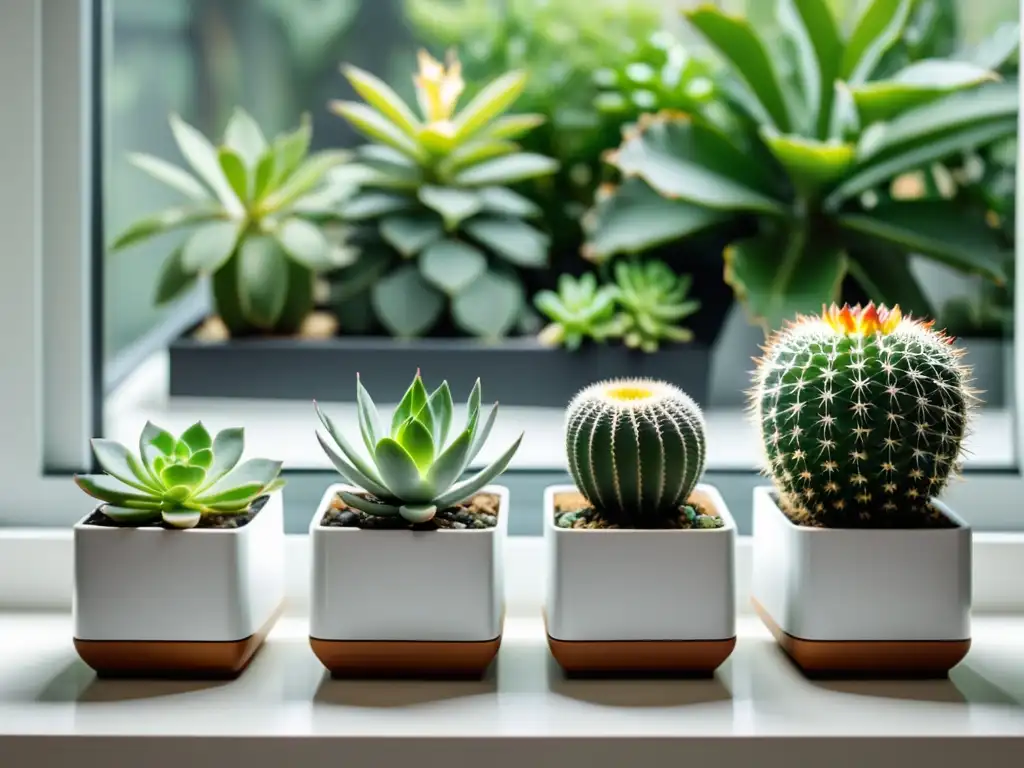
(625, 542)
(858, 567)
(179, 571)
(405, 517)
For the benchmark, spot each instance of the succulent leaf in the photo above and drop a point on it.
(244, 137)
(196, 438)
(370, 507)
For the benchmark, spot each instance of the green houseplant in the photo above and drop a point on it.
(862, 415)
(438, 227)
(257, 211)
(408, 483)
(807, 162)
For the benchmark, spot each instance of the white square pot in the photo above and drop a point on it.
(409, 586)
(640, 585)
(824, 584)
(198, 601)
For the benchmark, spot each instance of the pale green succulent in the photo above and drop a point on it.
(580, 309)
(412, 469)
(178, 480)
(652, 301)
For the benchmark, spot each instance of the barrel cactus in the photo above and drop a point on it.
(636, 449)
(863, 414)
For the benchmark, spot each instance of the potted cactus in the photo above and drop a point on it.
(858, 567)
(633, 531)
(406, 517)
(179, 571)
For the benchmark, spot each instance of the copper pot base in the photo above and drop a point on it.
(399, 658)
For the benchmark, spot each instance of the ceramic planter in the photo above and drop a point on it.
(632, 600)
(863, 601)
(198, 602)
(407, 603)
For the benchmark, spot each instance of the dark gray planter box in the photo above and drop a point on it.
(514, 371)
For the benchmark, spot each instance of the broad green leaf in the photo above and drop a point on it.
(263, 175)
(379, 95)
(181, 475)
(370, 507)
(196, 437)
(262, 280)
(956, 111)
(202, 458)
(109, 488)
(411, 233)
(451, 463)
(244, 136)
(879, 26)
(454, 205)
(202, 156)
(476, 152)
(233, 168)
(171, 175)
(153, 443)
(886, 276)
(117, 461)
(369, 205)
(507, 169)
(414, 399)
(919, 155)
(418, 441)
(468, 487)
(811, 163)
(376, 127)
(306, 243)
(387, 168)
(405, 303)
(492, 101)
(400, 472)
(634, 218)
(351, 474)
(995, 50)
(937, 228)
(682, 159)
(514, 240)
(451, 265)
(778, 278)
(181, 518)
(128, 516)
(289, 150)
(823, 33)
(173, 280)
(919, 83)
(504, 201)
(514, 126)
(164, 221)
(309, 175)
(254, 472)
(737, 41)
(227, 450)
(234, 497)
(490, 306)
(211, 245)
(441, 407)
(369, 418)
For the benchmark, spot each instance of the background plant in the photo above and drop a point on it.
(413, 469)
(883, 431)
(440, 227)
(579, 310)
(652, 301)
(177, 481)
(257, 213)
(808, 152)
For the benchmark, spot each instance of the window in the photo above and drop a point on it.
(90, 351)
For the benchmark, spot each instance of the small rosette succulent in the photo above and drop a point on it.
(579, 310)
(652, 301)
(260, 216)
(862, 414)
(178, 480)
(433, 212)
(412, 469)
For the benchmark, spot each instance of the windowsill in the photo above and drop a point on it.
(285, 697)
(285, 429)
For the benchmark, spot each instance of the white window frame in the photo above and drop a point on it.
(48, 194)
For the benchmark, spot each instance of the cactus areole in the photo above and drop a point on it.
(863, 414)
(635, 448)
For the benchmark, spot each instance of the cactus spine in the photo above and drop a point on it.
(862, 413)
(636, 448)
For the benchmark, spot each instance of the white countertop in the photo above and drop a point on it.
(46, 691)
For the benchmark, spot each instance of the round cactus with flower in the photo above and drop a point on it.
(863, 413)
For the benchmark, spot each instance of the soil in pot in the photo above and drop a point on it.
(934, 519)
(479, 512)
(572, 510)
(221, 521)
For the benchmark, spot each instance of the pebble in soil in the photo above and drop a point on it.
(219, 521)
(478, 513)
(573, 511)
